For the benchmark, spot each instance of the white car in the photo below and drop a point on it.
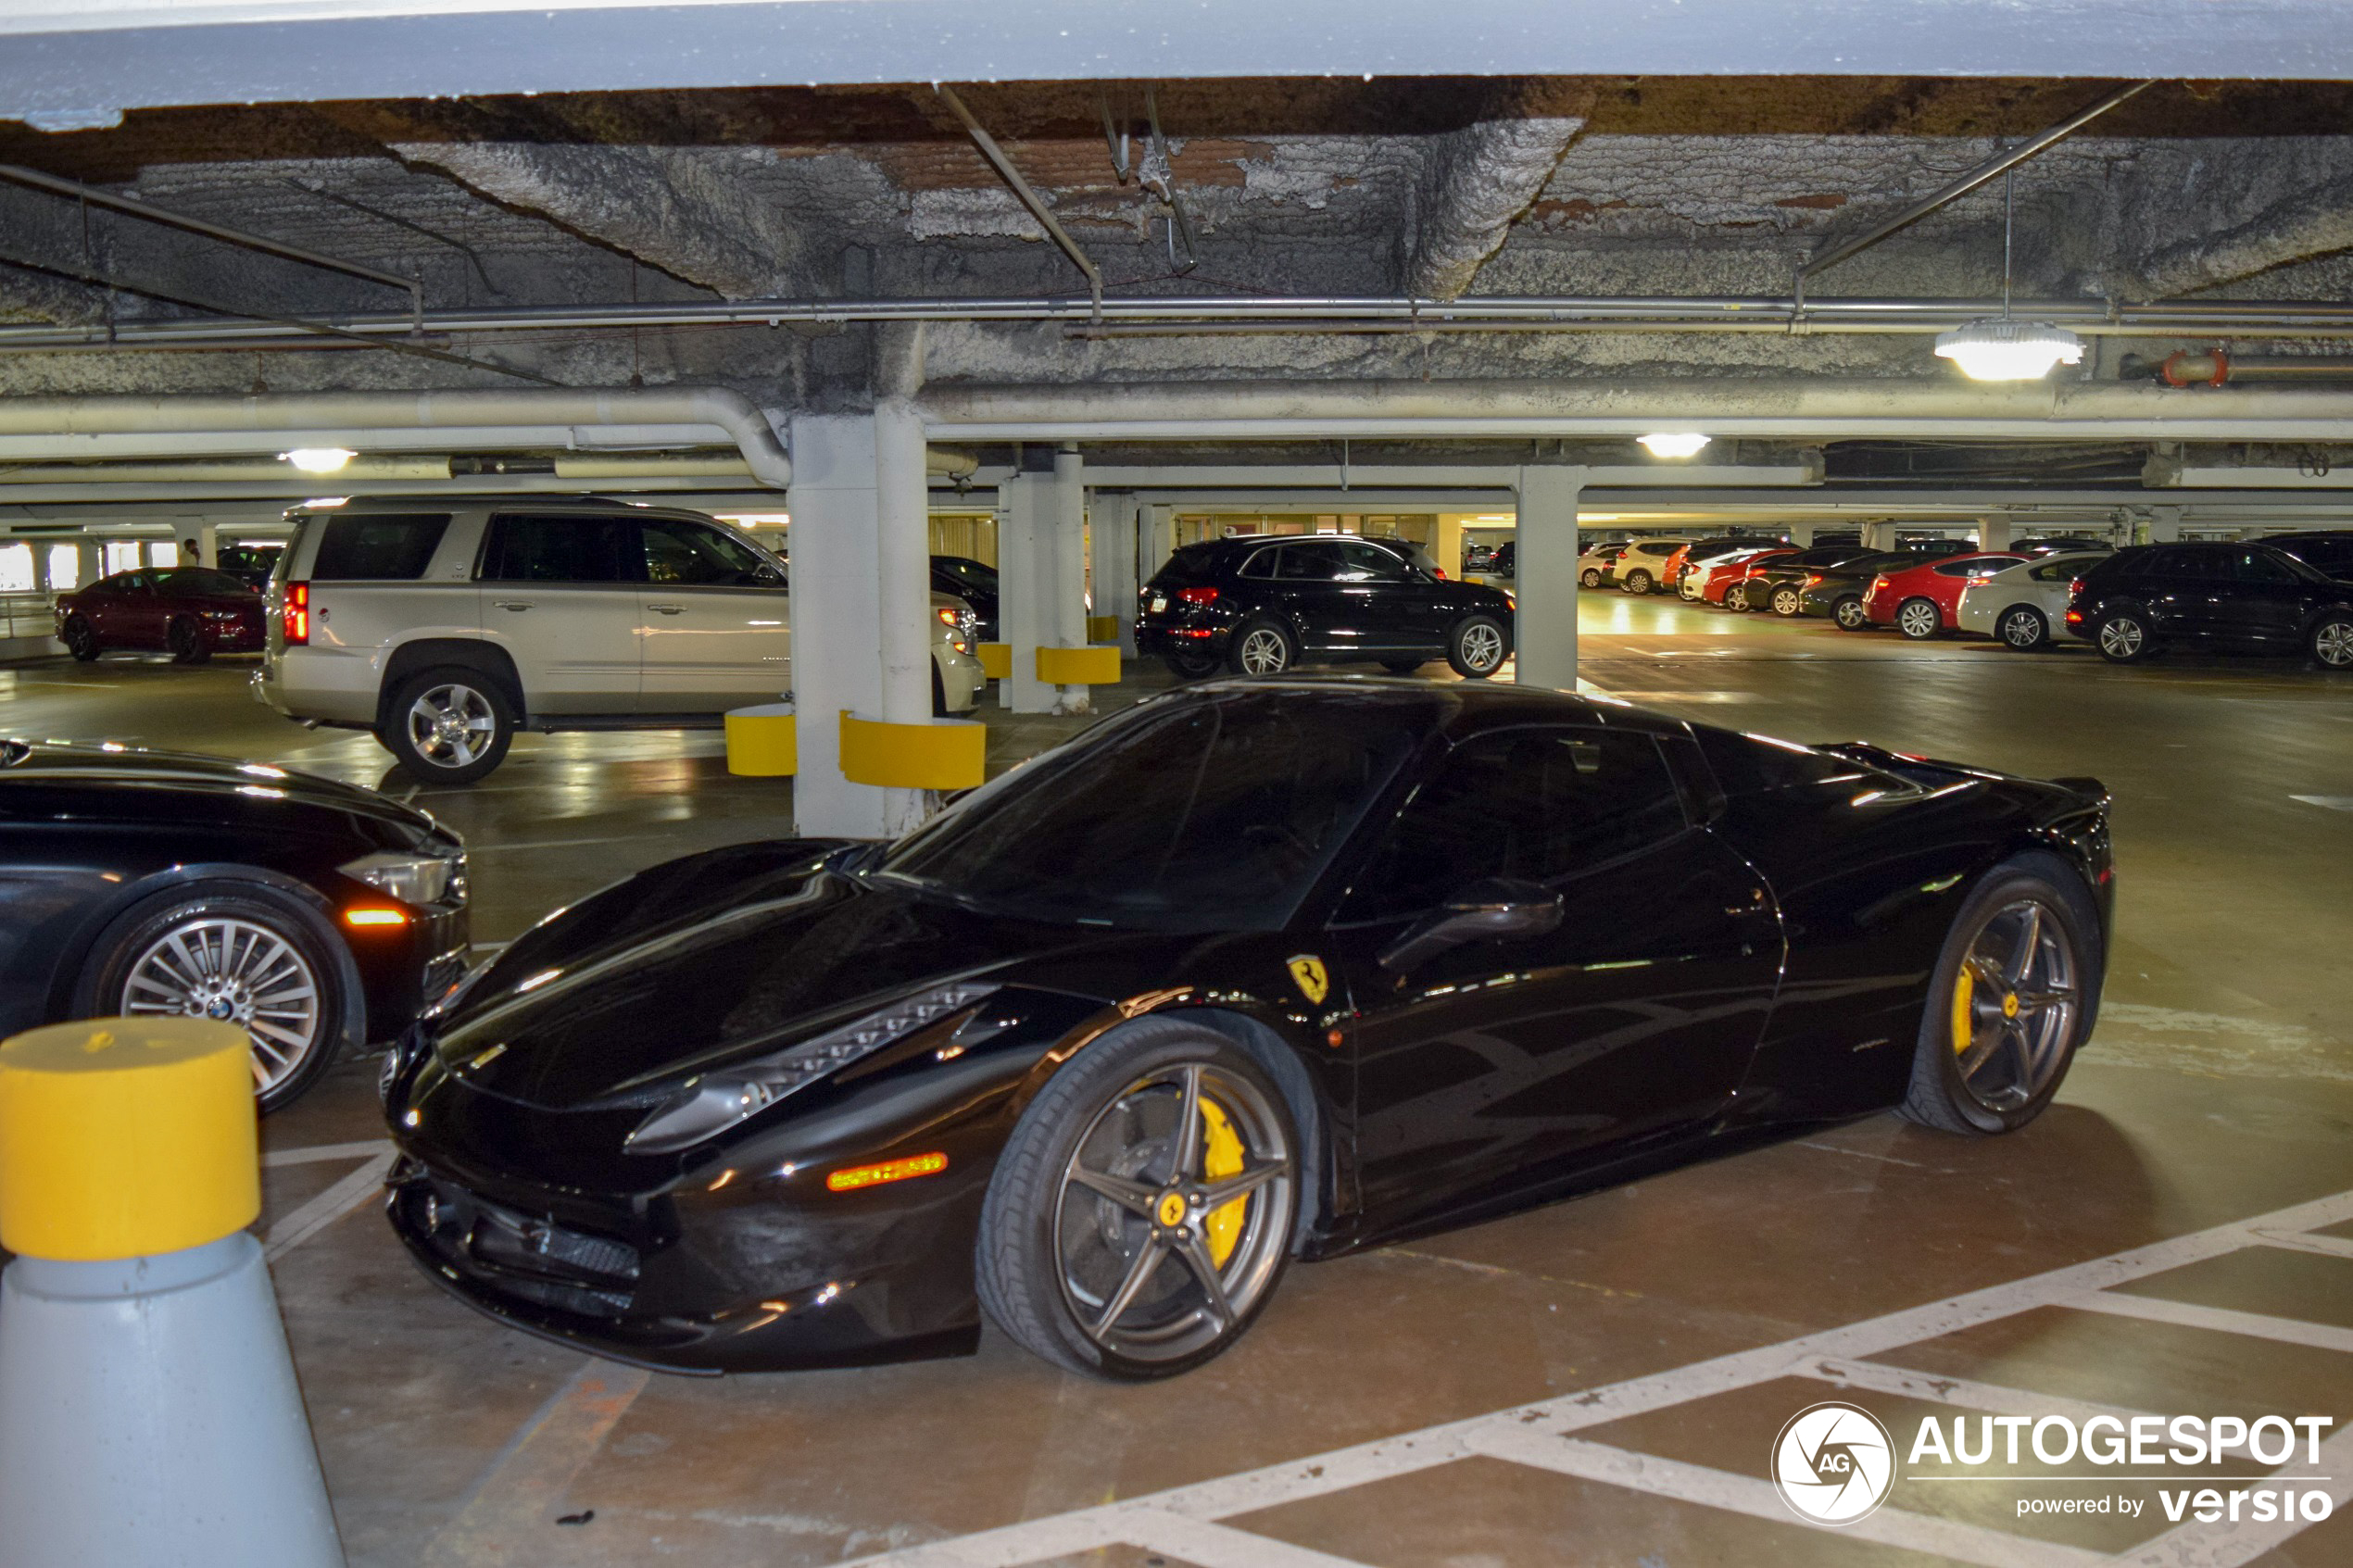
(2021, 605)
(1696, 572)
(445, 624)
(1644, 566)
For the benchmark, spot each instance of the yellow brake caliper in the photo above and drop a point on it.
(1222, 1158)
(1964, 1011)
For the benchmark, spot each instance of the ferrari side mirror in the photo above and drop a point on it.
(1489, 909)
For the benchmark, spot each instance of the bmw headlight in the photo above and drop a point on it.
(412, 878)
(711, 1102)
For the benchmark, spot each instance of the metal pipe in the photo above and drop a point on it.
(137, 208)
(1030, 198)
(1776, 313)
(1999, 163)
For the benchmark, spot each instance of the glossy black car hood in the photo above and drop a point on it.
(659, 975)
(203, 788)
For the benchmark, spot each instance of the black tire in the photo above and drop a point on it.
(1919, 619)
(1788, 602)
(2124, 638)
(1402, 666)
(1033, 1250)
(187, 642)
(1478, 647)
(1946, 1092)
(1590, 578)
(2332, 641)
(124, 964)
(1848, 614)
(81, 639)
(1262, 648)
(2022, 627)
(1636, 582)
(437, 755)
(1191, 667)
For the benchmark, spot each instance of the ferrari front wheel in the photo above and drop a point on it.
(1143, 1208)
(2012, 995)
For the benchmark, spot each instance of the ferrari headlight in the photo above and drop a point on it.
(711, 1102)
(412, 878)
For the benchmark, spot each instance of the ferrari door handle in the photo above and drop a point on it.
(512, 604)
(667, 609)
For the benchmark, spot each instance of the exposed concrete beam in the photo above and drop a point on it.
(2313, 222)
(29, 296)
(1475, 180)
(694, 212)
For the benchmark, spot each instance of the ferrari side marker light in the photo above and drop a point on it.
(852, 1177)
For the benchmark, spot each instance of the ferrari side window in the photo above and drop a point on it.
(1537, 804)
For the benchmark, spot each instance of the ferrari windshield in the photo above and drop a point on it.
(1211, 812)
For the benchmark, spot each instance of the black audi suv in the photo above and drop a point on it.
(1259, 607)
(2250, 598)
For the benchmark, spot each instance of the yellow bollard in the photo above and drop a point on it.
(148, 1410)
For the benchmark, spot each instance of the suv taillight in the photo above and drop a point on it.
(294, 613)
(1197, 596)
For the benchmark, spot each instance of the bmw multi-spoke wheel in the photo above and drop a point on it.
(2332, 642)
(1144, 1208)
(1919, 619)
(1479, 647)
(1850, 615)
(2123, 639)
(1787, 602)
(449, 726)
(2013, 996)
(2023, 627)
(1263, 648)
(236, 955)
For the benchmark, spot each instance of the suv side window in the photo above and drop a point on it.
(377, 547)
(1319, 562)
(1537, 804)
(2184, 560)
(1259, 563)
(542, 548)
(693, 555)
(1369, 563)
(2254, 566)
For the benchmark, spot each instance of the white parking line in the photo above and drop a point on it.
(1961, 1392)
(2224, 1320)
(1526, 1432)
(325, 1151)
(2226, 1544)
(329, 1206)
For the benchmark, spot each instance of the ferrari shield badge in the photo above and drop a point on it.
(1308, 970)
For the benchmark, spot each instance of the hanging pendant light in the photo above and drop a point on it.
(2003, 349)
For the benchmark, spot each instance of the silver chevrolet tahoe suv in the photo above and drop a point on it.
(445, 625)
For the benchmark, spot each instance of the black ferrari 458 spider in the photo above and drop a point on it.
(1251, 971)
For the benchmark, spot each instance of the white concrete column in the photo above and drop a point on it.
(1545, 636)
(860, 596)
(1066, 535)
(208, 536)
(1112, 529)
(1993, 533)
(1802, 535)
(1155, 540)
(1026, 594)
(1878, 535)
(2165, 524)
(91, 558)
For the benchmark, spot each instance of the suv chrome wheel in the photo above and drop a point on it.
(1264, 651)
(1482, 647)
(2333, 643)
(451, 726)
(237, 971)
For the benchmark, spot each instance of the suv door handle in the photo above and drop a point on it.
(512, 604)
(667, 609)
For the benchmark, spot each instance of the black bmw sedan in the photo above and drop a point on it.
(319, 915)
(1252, 972)
(1263, 606)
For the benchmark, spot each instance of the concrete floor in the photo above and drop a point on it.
(1527, 1392)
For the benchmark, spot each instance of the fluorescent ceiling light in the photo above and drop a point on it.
(320, 459)
(2008, 350)
(1673, 444)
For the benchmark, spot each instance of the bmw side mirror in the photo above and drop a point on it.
(1485, 911)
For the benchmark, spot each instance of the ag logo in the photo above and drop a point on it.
(1308, 970)
(1833, 1464)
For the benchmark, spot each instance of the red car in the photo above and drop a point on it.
(1921, 601)
(191, 612)
(1727, 585)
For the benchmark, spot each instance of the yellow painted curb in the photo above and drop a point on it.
(1096, 665)
(123, 1137)
(939, 754)
(996, 660)
(1102, 628)
(763, 742)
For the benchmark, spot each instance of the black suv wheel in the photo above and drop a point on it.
(1478, 647)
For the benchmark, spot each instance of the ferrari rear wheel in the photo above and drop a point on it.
(1142, 1212)
(2012, 997)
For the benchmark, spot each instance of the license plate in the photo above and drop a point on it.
(1159, 602)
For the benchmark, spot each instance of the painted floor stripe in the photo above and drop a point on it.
(1965, 1393)
(2259, 1326)
(1036, 1540)
(327, 1207)
(326, 1151)
(504, 1523)
(1210, 1545)
(2326, 1246)
(1756, 1497)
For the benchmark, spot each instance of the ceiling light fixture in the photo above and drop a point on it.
(319, 460)
(2003, 349)
(1673, 444)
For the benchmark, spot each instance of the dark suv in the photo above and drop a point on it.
(2244, 597)
(1260, 606)
(2325, 550)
